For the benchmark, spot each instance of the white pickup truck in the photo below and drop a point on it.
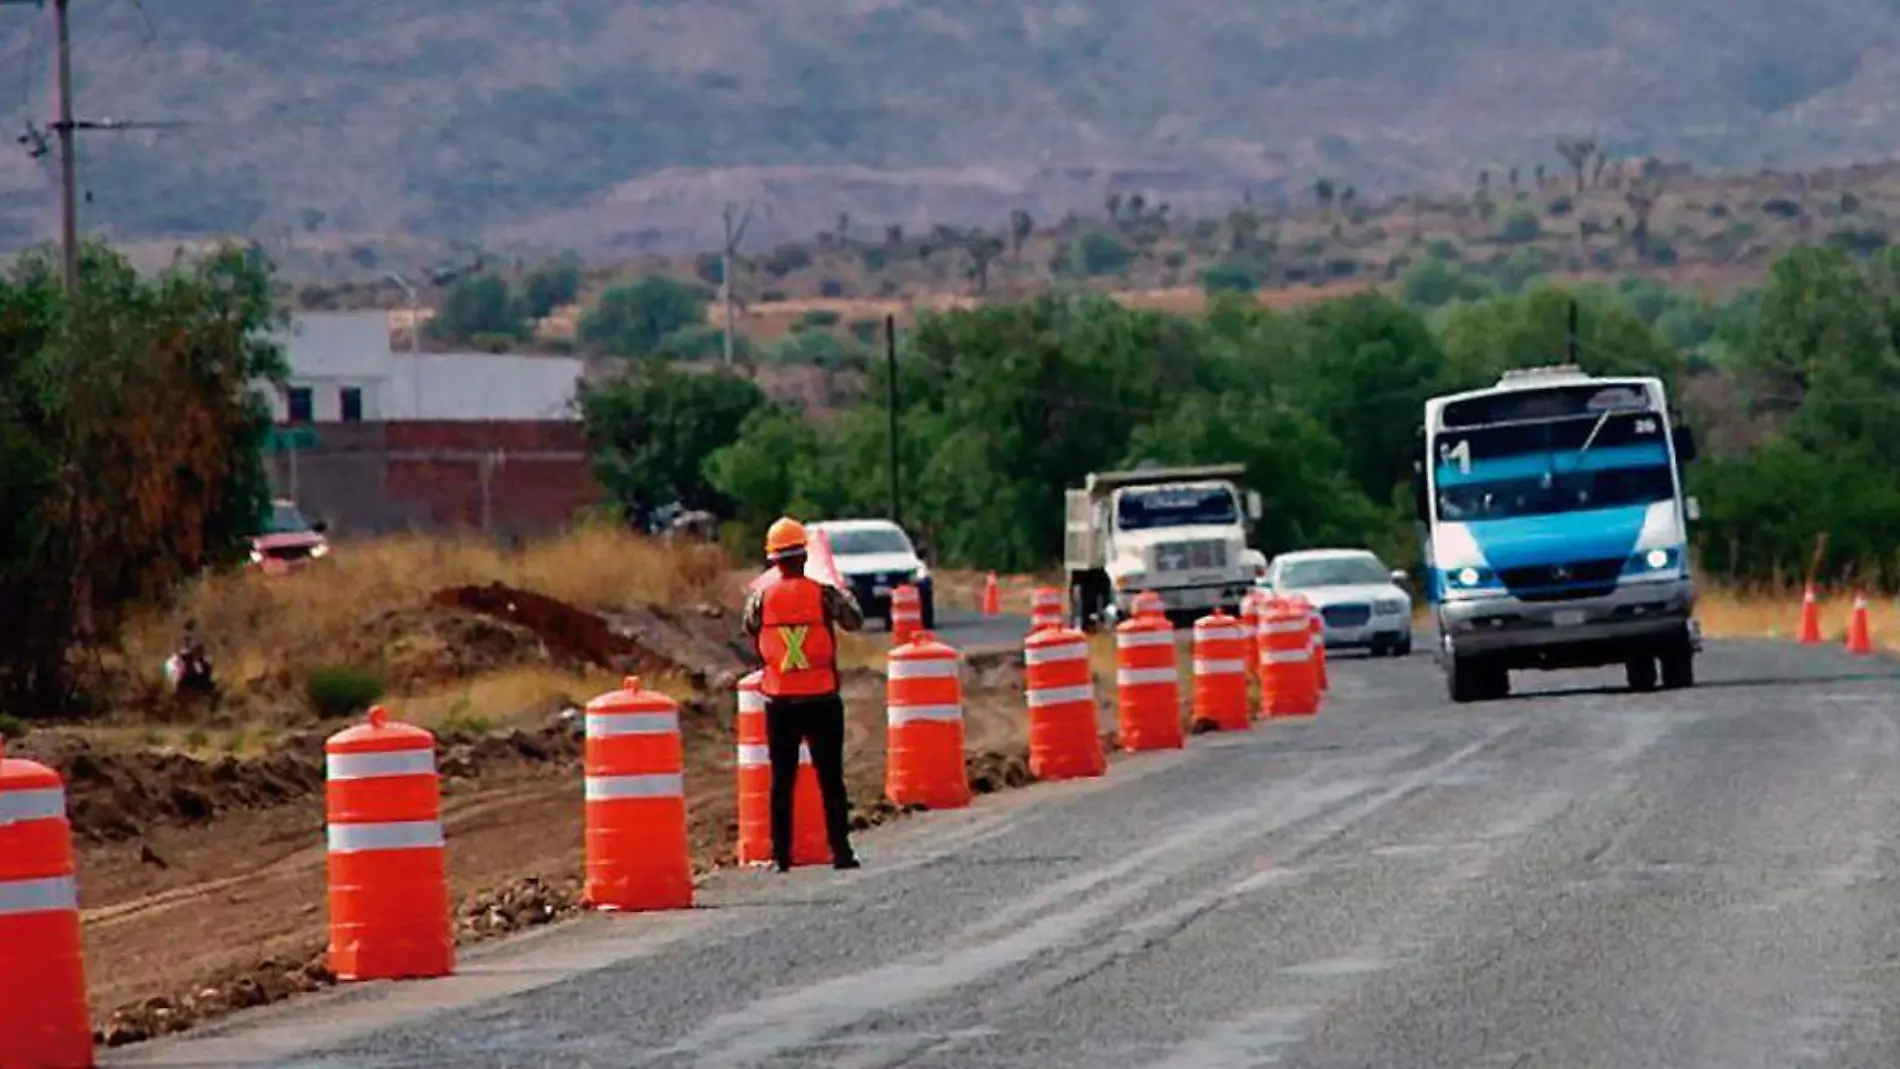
(1178, 532)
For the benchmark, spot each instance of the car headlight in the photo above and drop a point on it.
(1388, 606)
(921, 573)
(257, 556)
(320, 550)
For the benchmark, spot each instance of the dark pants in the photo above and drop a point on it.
(819, 724)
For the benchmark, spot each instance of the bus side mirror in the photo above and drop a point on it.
(1254, 508)
(1419, 503)
(1692, 509)
(1685, 443)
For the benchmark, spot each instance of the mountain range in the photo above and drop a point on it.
(613, 127)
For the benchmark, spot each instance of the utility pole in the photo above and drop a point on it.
(1570, 334)
(734, 235)
(68, 164)
(890, 350)
(64, 127)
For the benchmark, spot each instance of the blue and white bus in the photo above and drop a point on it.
(1555, 530)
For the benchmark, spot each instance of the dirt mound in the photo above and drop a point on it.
(702, 643)
(572, 636)
(705, 641)
(115, 795)
(994, 771)
(437, 644)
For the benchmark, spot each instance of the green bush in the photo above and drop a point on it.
(338, 691)
(1229, 278)
(12, 727)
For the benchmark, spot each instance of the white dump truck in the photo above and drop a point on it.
(1179, 532)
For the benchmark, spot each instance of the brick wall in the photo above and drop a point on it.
(512, 477)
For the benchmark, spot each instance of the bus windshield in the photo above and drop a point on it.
(1534, 469)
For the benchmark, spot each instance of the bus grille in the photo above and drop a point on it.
(1561, 582)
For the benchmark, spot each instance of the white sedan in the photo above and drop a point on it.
(1360, 601)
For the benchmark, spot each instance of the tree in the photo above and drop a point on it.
(651, 430)
(130, 451)
(983, 248)
(630, 320)
(1577, 152)
(552, 285)
(1021, 226)
(478, 305)
(1641, 199)
(1324, 190)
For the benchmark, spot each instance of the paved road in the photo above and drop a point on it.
(973, 631)
(1704, 878)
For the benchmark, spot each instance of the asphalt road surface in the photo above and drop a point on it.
(1585, 877)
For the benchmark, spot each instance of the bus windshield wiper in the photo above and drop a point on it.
(1587, 442)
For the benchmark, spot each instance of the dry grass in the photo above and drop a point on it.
(1777, 615)
(370, 601)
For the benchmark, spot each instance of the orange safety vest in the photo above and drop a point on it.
(796, 642)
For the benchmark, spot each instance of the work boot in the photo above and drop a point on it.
(782, 864)
(846, 859)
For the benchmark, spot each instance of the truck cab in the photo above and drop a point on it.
(1180, 533)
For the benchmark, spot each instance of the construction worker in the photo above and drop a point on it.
(794, 625)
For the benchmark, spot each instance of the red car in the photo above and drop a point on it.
(288, 540)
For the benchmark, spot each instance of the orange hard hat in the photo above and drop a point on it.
(785, 534)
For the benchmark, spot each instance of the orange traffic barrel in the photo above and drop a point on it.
(387, 863)
(44, 1023)
(636, 852)
(1316, 632)
(1809, 632)
(924, 711)
(1220, 673)
(1251, 605)
(1149, 603)
(809, 846)
(1147, 683)
(907, 613)
(992, 595)
(1045, 608)
(1065, 737)
(1288, 686)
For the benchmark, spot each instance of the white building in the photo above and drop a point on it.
(343, 369)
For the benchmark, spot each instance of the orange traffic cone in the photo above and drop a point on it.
(1810, 632)
(1859, 639)
(992, 596)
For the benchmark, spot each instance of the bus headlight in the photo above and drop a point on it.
(1468, 578)
(1657, 561)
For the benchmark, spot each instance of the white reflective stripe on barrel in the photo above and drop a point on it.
(1060, 696)
(396, 835)
(753, 755)
(50, 895)
(1285, 656)
(649, 785)
(40, 803)
(346, 766)
(1135, 677)
(614, 725)
(752, 701)
(1133, 639)
(1215, 634)
(937, 668)
(1067, 651)
(1205, 667)
(912, 714)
